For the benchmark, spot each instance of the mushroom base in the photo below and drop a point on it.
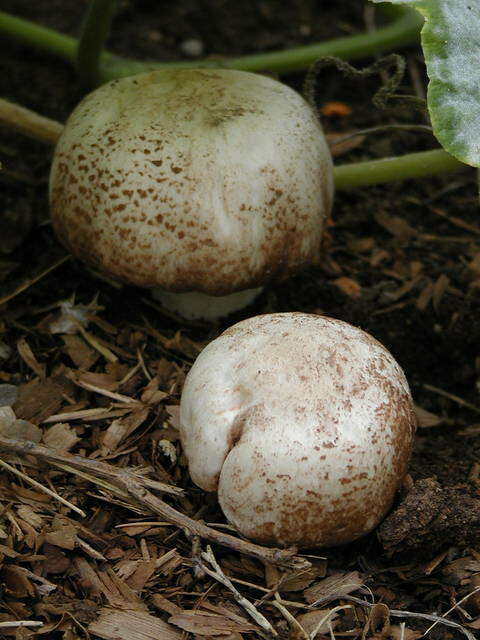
(194, 305)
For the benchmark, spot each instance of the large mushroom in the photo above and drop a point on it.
(200, 184)
(304, 426)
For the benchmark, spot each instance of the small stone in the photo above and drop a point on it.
(5, 351)
(10, 427)
(8, 394)
(193, 48)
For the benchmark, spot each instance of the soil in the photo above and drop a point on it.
(402, 261)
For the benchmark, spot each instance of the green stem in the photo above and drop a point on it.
(403, 30)
(39, 37)
(95, 30)
(412, 165)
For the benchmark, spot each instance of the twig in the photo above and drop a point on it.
(42, 488)
(326, 618)
(26, 284)
(99, 413)
(452, 397)
(381, 129)
(93, 342)
(29, 123)
(20, 623)
(217, 574)
(457, 604)
(458, 222)
(408, 614)
(292, 621)
(135, 489)
(109, 394)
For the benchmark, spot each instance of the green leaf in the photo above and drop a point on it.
(451, 45)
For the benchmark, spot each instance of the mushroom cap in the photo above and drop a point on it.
(192, 180)
(304, 426)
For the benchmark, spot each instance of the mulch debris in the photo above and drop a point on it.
(102, 533)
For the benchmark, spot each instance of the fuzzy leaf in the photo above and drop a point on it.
(451, 44)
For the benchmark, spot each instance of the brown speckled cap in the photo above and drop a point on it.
(304, 426)
(204, 180)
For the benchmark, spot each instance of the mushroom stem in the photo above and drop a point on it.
(194, 305)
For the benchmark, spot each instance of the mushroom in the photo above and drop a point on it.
(201, 184)
(304, 426)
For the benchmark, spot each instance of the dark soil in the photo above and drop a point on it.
(402, 261)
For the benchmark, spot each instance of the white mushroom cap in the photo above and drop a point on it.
(304, 426)
(192, 180)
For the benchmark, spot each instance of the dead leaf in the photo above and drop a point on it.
(349, 287)
(404, 633)
(115, 624)
(298, 581)
(39, 399)
(121, 428)
(475, 624)
(460, 570)
(26, 513)
(141, 575)
(335, 109)
(152, 394)
(310, 621)
(60, 437)
(162, 603)
(426, 419)
(208, 624)
(108, 380)
(340, 143)
(27, 356)
(361, 245)
(173, 411)
(425, 297)
(439, 289)
(16, 582)
(81, 354)
(398, 227)
(56, 561)
(72, 316)
(62, 534)
(338, 584)
(378, 621)
(15, 429)
(473, 602)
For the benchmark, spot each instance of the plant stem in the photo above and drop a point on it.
(95, 30)
(37, 36)
(412, 165)
(403, 30)
(29, 123)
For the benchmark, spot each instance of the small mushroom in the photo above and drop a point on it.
(304, 426)
(203, 185)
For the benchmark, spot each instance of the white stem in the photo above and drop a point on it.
(194, 305)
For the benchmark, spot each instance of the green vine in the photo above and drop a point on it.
(96, 65)
(411, 165)
(101, 67)
(95, 30)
